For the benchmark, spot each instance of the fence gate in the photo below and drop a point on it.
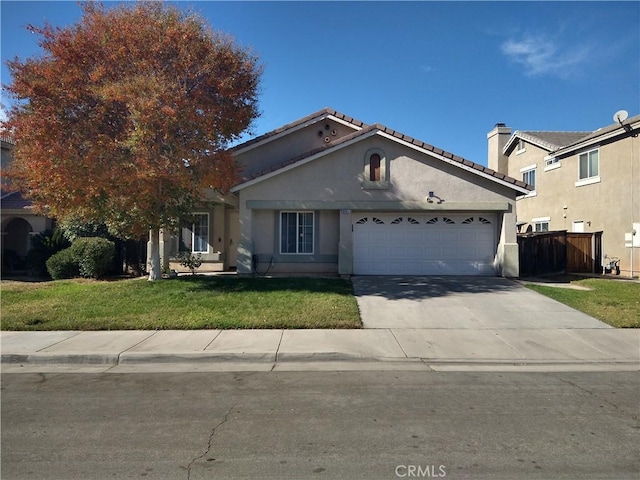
(584, 252)
(557, 252)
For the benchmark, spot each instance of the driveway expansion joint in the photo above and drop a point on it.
(399, 344)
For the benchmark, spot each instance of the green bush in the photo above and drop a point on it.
(43, 246)
(63, 265)
(93, 255)
(87, 257)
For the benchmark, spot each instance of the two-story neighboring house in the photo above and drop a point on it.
(583, 182)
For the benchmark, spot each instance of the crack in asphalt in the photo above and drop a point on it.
(210, 440)
(600, 397)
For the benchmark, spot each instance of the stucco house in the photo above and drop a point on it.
(17, 219)
(330, 194)
(583, 182)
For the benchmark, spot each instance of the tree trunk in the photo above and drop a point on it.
(155, 270)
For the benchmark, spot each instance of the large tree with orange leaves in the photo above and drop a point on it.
(126, 117)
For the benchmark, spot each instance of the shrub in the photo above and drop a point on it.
(75, 227)
(43, 246)
(190, 261)
(93, 255)
(63, 265)
(87, 257)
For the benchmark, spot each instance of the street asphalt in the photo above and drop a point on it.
(433, 323)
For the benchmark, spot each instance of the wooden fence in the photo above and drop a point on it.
(559, 252)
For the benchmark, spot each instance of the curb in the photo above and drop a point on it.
(134, 358)
(201, 358)
(59, 359)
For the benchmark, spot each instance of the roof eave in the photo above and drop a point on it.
(295, 126)
(527, 138)
(467, 165)
(596, 139)
(381, 130)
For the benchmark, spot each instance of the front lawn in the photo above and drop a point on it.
(189, 302)
(615, 302)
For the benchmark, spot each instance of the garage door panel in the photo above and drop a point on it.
(398, 244)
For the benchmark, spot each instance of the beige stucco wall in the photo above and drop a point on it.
(277, 150)
(611, 205)
(338, 176)
(333, 183)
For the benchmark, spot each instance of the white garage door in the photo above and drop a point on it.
(411, 244)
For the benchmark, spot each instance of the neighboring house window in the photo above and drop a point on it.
(551, 161)
(376, 170)
(530, 177)
(589, 167)
(296, 232)
(521, 147)
(552, 164)
(194, 236)
(542, 226)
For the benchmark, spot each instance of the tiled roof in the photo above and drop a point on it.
(547, 140)
(14, 201)
(556, 141)
(603, 131)
(319, 114)
(398, 135)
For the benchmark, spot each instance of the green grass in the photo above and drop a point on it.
(190, 302)
(613, 301)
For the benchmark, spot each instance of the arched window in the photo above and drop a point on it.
(376, 170)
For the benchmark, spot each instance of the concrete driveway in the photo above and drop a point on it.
(475, 303)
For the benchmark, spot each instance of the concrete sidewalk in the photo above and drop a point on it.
(380, 348)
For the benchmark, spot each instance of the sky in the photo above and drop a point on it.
(442, 72)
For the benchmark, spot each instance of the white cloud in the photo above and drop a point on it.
(542, 56)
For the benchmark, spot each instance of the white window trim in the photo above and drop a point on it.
(193, 238)
(313, 232)
(588, 180)
(540, 219)
(530, 167)
(523, 170)
(552, 166)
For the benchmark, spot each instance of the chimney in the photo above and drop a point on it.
(497, 139)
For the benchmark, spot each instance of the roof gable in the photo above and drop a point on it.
(297, 125)
(547, 140)
(561, 143)
(377, 129)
